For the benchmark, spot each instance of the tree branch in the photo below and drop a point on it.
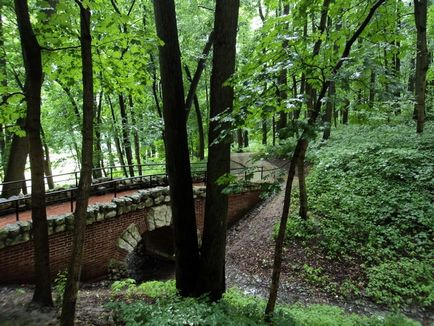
(198, 73)
(6, 97)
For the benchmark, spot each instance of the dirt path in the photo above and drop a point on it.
(249, 260)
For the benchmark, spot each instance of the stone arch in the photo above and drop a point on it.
(150, 253)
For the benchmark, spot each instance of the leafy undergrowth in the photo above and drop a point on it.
(371, 197)
(156, 303)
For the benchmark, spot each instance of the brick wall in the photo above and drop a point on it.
(16, 262)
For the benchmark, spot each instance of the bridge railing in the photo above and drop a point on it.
(114, 185)
(71, 179)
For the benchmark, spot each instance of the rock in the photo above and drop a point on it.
(149, 202)
(12, 229)
(158, 200)
(3, 234)
(25, 226)
(159, 216)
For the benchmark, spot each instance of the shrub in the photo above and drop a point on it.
(371, 192)
(234, 309)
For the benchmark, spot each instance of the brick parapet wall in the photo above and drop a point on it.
(16, 261)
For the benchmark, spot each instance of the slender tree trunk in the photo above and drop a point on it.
(109, 150)
(177, 156)
(47, 162)
(4, 83)
(240, 138)
(16, 164)
(211, 277)
(420, 13)
(329, 112)
(126, 135)
(200, 131)
(194, 82)
(264, 130)
(135, 136)
(372, 88)
(2, 150)
(283, 84)
(116, 138)
(245, 139)
(74, 268)
(98, 162)
(33, 67)
(302, 187)
(298, 153)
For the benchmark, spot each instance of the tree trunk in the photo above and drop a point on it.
(372, 88)
(194, 82)
(176, 141)
(200, 131)
(345, 111)
(2, 151)
(328, 116)
(126, 135)
(283, 94)
(47, 162)
(117, 140)
(4, 83)
(240, 138)
(245, 139)
(98, 162)
(298, 153)
(264, 130)
(420, 14)
(135, 136)
(302, 187)
(16, 165)
(74, 268)
(211, 278)
(33, 66)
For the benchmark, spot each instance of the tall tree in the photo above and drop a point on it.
(74, 268)
(176, 142)
(420, 14)
(33, 83)
(298, 153)
(212, 265)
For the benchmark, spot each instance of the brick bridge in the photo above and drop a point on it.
(113, 231)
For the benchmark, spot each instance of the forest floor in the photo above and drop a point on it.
(250, 252)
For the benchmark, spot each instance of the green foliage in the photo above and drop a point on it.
(59, 286)
(371, 191)
(152, 289)
(399, 282)
(234, 309)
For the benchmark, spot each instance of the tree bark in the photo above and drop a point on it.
(17, 159)
(74, 268)
(282, 93)
(194, 82)
(329, 112)
(116, 138)
(420, 14)
(177, 155)
(126, 135)
(47, 162)
(199, 119)
(298, 153)
(211, 278)
(135, 136)
(33, 66)
(98, 162)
